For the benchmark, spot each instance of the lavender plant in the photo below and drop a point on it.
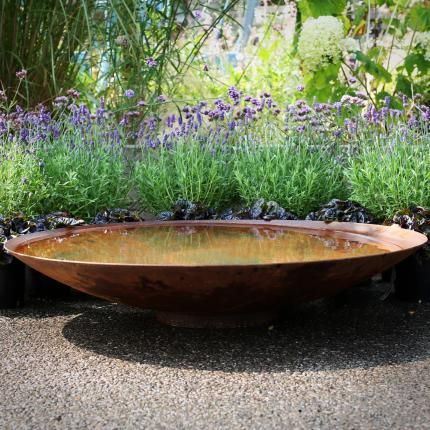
(80, 159)
(192, 156)
(387, 178)
(234, 150)
(291, 173)
(86, 166)
(189, 170)
(23, 187)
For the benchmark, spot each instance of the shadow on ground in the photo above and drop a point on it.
(353, 330)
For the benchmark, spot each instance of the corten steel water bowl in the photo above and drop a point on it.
(215, 273)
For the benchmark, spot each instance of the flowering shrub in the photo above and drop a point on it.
(64, 159)
(321, 42)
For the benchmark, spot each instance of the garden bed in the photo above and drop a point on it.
(241, 157)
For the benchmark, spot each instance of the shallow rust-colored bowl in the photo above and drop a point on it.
(228, 294)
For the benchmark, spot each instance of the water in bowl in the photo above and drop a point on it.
(200, 245)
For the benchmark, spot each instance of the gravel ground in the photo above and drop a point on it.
(352, 362)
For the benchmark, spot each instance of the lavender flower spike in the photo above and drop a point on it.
(151, 62)
(21, 74)
(129, 93)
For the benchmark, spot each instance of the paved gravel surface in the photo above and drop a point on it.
(352, 362)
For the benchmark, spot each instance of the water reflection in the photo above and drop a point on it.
(198, 245)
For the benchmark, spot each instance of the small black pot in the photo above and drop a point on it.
(12, 283)
(38, 285)
(412, 280)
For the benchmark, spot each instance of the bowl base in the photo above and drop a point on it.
(240, 320)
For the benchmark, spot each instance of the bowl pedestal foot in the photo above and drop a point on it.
(194, 320)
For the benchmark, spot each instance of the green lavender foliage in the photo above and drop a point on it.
(84, 177)
(198, 172)
(389, 176)
(22, 187)
(298, 177)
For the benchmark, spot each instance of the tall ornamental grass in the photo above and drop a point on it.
(48, 38)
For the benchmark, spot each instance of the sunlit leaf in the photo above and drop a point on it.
(378, 71)
(419, 18)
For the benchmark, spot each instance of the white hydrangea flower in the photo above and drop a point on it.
(321, 42)
(423, 38)
(351, 45)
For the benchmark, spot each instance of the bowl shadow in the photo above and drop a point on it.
(352, 330)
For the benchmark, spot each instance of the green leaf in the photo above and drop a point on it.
(375, 69)
(360, 14)
(419, 18)
(316, 8)
(320, 84)
(417, 61)
(404, 85)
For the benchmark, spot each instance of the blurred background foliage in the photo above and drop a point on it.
(195, 49)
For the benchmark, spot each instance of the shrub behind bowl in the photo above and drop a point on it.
(84, 177)
(22, 185)
(388, 178)
(200, 173)
(299, 178)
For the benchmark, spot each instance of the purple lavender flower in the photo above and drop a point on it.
(198, 15)
(352, 80)
(234, 95)
(101, 111)
(124, 121)
(129, 93)
(404, 99)
(21, 74)
(151, 62)
(141, 103)
(231, 125)
(161, 98)
(338, 107)
(425, 113)
(413, 122)
(152, 123)
(170, 121)
(300, 87)
(351, 126)
(73, 93)
(24, 134)
(60, 101)
(387, 101)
